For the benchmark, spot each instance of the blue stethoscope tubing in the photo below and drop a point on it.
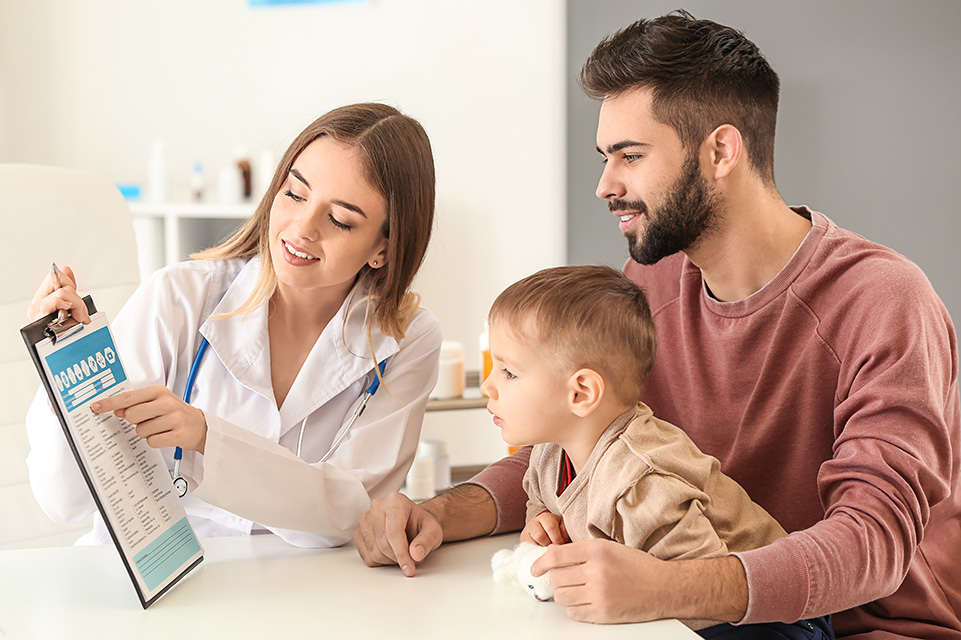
(181, 484)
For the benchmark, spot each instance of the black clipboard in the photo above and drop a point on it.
(56, 328)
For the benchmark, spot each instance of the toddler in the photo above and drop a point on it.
(571, 347)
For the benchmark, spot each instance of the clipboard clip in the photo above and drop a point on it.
(62, 328)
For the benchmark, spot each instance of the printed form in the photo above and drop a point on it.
(130, 479)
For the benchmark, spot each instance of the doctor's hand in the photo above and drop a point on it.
(54, 296)
(162, 419)
(397, 531)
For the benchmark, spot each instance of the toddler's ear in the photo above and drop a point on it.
(585, 392)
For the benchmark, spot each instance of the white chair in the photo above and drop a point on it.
(73, 218)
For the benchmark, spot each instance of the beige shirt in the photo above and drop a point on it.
(647, 486)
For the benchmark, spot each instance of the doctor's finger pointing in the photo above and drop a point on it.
(123, 401)
(161, 418)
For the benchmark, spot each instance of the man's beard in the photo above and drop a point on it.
(690, 210)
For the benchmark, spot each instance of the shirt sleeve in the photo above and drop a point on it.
(664, 516)
(532, 488)
(55, 478)
(319, 505)
(504, 481)
(897, 433)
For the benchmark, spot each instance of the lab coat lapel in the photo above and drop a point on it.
(340, 357)
(240, 341)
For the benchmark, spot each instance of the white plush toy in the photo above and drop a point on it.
(513, 566)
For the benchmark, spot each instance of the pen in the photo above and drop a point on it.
(55, 281)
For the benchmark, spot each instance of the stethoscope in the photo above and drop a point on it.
(180, 484)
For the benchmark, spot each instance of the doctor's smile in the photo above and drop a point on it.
(296, 256)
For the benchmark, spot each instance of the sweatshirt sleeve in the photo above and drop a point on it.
(897, 434)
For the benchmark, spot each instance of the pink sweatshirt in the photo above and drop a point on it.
(831, 396)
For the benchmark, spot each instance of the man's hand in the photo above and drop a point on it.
(602, 581)
(397, 531)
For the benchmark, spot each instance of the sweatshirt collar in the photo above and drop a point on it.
(788, 274)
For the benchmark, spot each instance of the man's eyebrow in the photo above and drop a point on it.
(298, 175)
(623, 144)
(349, 207)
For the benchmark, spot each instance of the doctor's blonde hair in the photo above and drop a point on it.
(398, 163)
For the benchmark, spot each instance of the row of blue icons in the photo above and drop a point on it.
(85, 368)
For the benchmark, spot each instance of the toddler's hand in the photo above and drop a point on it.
(545, 528)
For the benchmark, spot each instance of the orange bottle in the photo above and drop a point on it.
(486, 363)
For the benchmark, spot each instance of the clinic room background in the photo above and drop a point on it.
(868, 130)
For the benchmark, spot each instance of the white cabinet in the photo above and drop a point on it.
(170, 232)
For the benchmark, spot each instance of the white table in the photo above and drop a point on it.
(261, 587)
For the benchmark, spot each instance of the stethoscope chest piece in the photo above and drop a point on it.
(181, 486)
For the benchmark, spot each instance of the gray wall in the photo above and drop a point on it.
(869, 127)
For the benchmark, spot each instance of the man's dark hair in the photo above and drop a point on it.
(701, 75)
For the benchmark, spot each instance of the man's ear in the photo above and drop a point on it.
(585, 390)
(724, 147)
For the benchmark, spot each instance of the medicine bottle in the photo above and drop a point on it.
(157, 173)
(197, 182)
(246, 173)
(450, 374)
(436, 450)
(421, 476)
(486, 363)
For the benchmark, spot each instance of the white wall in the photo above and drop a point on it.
(92, 84)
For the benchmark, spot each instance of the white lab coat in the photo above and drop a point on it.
(249, 476)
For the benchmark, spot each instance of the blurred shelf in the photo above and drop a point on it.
(472, 397)
(214, 211)
(457, 404)
(465, 473)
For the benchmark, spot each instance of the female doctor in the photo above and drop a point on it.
(298, 307)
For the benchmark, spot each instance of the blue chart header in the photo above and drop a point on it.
(86, 368)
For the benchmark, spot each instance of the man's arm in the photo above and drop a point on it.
(602, 581)
(466, 511)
